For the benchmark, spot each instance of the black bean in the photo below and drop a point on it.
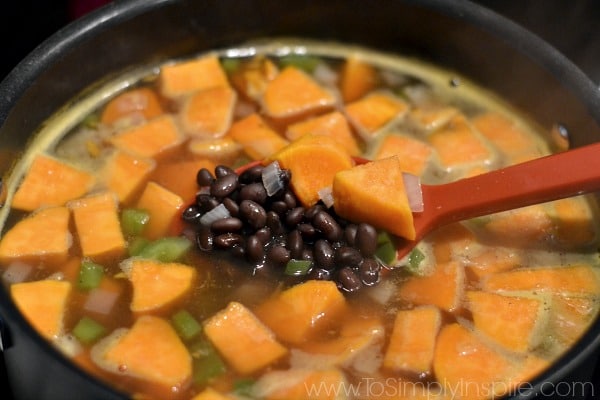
(290, 199)
(204, 177)
(252, 174)
(255, 192)
(204, 239)
(346, 255)
(206, 202)
(224, 185)
(229, 224)
(368, 271)
(254, 249)
(324, 254)
(295, 244)
(328, 226)
(285, 175)
(308, 254)
(278, 254)
(274, 223)
(238, 251)
(310, 213)
(263, 234)
(231, 206)
(223, 170)
(227, 240)
(192, 214)
(294, 216)
(279, 207)
(350, 234)
(253, 213)
(320, 274)
(349, 281)
(366, 239)
(309, 233)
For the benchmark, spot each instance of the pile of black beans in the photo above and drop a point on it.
(269, 231)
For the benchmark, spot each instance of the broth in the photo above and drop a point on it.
(477, 309)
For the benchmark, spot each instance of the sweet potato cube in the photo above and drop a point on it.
(575, 222)
(413, 154)
(571, 280)
(372, 112)
(134, 103)
(43, 303)
(150, 351)
(50, 182)
(125, 174)
(251, 77)
(413, 339)
(512, 321)
(211, 394)
(222, 150)
(313, 160)
(179, 177)
(457, 143)
(333, 124)
(185, 77)
(357, 78)
(570, 316)
(163, 206)
(98, 226)
(293, 92)
(428, 119)
(149, 139)
(157, 285)
(302, 384)
(505, 134)
(242, 339)
(524, 225)
(208, 113)
(462, 360)
(303, 311)
(256, 137)
(491, 260)
(443, 288)
(380, 184)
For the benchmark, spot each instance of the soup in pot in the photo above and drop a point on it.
(224, 226)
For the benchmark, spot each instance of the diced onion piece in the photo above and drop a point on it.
(217, 213)
(100, 301)
(412, 184)
(68, 345)
(271, 178)
(325, 75)
(16, 272)
(326, 196)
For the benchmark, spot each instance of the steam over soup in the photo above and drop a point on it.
(139, 247)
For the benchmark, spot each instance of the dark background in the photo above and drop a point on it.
(572, 26)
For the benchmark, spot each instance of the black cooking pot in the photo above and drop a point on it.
(459, 35)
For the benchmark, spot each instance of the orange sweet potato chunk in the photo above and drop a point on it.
(185, 77)
(514, 322)
(372, 112)
(333, 124)
(125, 174)
(51, 182)
(443, 288)
(41, 236)
(301, 312)
(413, 339)
(252, 77)
(150, 351)
(575, 222)
(211, 394)
(430, 118)
(242, 339)
(163, 206)
(357, 78)
(137, 102)
(179, 177)
(208, 113)
(570, 316)
(464, 363)
(256, 137)
(98, 227)
(302, 384)
(222, 150)
(413, 154)
(523, 226)
(380, 184)
(157, 285)
(149, 139)
(491, 260)
(43, 303)
(293, 92)
(313, 160)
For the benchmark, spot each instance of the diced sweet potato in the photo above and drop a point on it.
(179, 177)
(242, 339)
(372, 112)
(157, 285)
(223, 150)
(413, 154)
(125, 174)
(98, 226)
(570, 280)
(514, 322)
(42, 236)
(301, 312)
(575, 222)
(357, 78)
(43, 303)
(465, 364)
(484, 261)
(428, 119)
(413, 339)
(458, 144)
(302, 384)
(50, 182)
(293, 92)
(571, 316)
(443, 288)
(142, 102)
(252, 77)
(181, 78)
(380, 184)
(150, 351)
(208, 113)
(149, 139)
(332, 124)
(449, 239)
(211, 394)
(256, 137)
(523, 226)
(313, 161)
(163, 206)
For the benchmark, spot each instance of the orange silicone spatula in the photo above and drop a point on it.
(552, 177)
